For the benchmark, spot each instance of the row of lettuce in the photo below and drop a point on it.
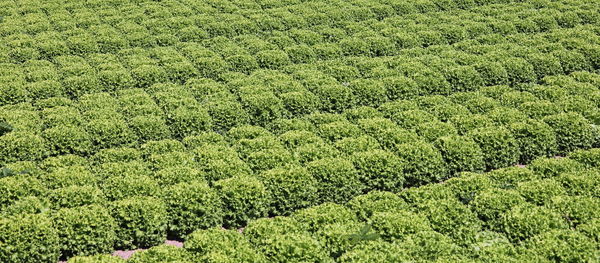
(436, 70)
(124, 122)
(133, 195)
(547, 212)
(494, 127)
(244, 16)
(439, 52)
(57, 27)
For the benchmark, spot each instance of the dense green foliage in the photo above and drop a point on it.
(29, 238)
(142, 222)
(202, 207)
(244, 198)
(123, 122)
(472, 217)
(85, 230)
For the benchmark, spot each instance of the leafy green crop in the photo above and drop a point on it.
(363, 235)
(123, 122)
(5, 128)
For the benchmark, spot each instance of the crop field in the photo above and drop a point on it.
(299, 131)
